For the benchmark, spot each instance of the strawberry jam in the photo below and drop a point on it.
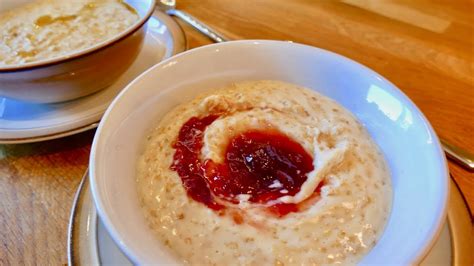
(186, 160)
(264, 165)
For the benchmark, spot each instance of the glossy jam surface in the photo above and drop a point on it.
(186, 160)
(263, 165)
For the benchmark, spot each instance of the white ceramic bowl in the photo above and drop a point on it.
(77, 74)
(416, 160)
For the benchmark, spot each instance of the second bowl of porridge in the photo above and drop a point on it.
(53, 50)
(267, 153)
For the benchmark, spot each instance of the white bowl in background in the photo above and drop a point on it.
(79, 73)
(411, 147)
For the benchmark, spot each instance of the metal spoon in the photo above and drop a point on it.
(169, 7)
(460, 156)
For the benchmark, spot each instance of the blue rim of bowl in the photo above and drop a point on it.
(82, 53)
(436, 226)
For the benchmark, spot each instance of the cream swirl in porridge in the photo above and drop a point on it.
(47, 29)
(264, 173)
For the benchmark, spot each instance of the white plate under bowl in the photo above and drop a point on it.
(419, 174)
(23, 122)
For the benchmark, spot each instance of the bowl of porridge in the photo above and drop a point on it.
(53, 50)
(271, 153)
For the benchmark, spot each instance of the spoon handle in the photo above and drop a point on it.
(462, 157)
(203, 28)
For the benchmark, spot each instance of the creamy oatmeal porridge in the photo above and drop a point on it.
(47, 29)
(264, 173)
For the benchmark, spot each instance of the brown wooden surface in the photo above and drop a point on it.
(424, 47)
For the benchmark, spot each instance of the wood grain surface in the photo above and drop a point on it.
(424, 47)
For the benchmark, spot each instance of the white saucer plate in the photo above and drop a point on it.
(23, 122)
(89, 243)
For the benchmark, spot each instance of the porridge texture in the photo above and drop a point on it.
(337, 214)
(46, 29)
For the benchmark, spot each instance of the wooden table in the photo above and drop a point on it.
(425, 48)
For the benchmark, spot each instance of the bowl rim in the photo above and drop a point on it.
(98, 140)
(84, 52)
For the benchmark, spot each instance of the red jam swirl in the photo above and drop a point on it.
(265, 165)
(186, 160)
